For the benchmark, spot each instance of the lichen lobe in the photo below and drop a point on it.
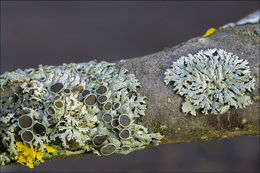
(211, 81)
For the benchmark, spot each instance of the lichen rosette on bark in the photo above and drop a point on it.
(212, 81)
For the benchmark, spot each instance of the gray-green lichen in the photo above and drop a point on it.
(211, 80)
(74, 108)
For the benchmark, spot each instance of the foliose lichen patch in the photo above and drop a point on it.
(211, 80)
(70, 109)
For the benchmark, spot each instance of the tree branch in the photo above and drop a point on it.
(164, 113)
(164, 107)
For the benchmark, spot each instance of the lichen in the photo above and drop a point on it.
(70, 109)
(211, 80)
(209, 32)
(27, 155)
(4, 158)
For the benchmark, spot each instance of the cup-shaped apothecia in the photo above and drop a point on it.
(67, 91)
(125, 147)
(107, 117)
(100, 80)
(124, 134)
(25, 122)
(84, 93)
(56, 87)
(108, 149)
(107, 106)
(116, 106)
(58, 104)
(27, 136)
(99, 139)
(39, 129)
(90, 100)
(124, 120)
(114, 123)
(101, 90)
(102, 99)
(50, 110)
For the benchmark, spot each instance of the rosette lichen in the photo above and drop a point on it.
(70, 109)
(211, 80)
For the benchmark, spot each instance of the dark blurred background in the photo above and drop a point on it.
(37, 32)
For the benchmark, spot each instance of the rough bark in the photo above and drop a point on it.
(164, 113)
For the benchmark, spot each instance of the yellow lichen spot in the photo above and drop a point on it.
(169, 100)
(39, 155)
(26, 154)
(136, 73)
(50, 149)
(30, 164)
(209, 32)
(18, 144)
(244, 121)
(20, 159)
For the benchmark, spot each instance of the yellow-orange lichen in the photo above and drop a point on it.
(209, 32)
(26, 154)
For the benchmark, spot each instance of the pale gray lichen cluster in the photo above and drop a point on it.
(85, 107)
(211, 80)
